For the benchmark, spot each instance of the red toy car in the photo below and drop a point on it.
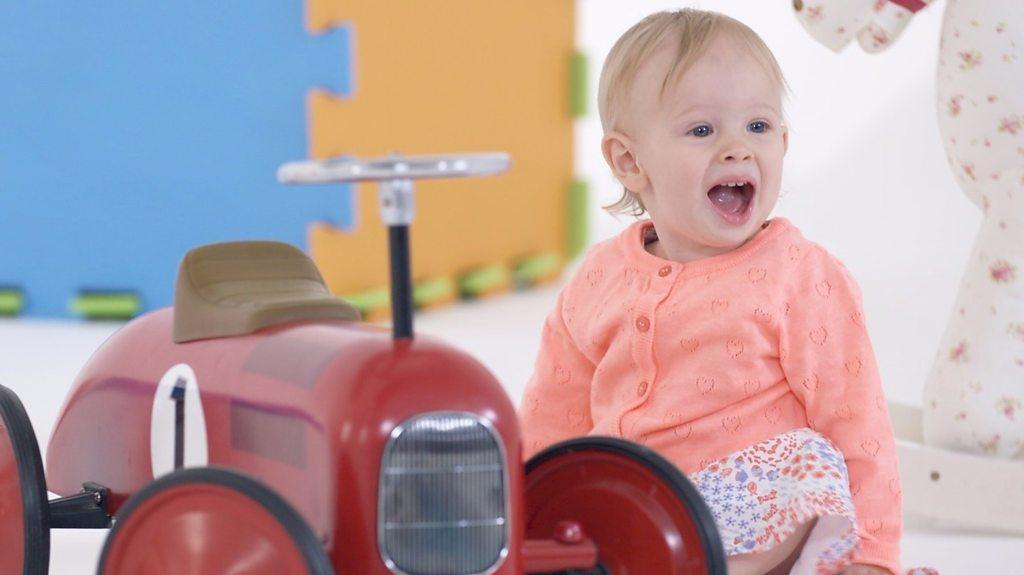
(258, 427)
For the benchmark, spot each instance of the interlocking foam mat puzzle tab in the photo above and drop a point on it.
(133, 131)
(452, 76)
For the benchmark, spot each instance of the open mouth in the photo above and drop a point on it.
(733, 201)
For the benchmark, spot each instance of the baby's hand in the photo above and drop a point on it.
(861, 569)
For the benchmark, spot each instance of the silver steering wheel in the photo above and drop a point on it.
(395, 174)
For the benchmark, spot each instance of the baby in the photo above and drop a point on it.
(722, 339)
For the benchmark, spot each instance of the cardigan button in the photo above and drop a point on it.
(641, 389)
(665, 271)
(643, 324)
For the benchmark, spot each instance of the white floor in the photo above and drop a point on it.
(39, 359)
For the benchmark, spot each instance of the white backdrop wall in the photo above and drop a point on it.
(866, 174)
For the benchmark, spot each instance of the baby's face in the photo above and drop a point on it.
(720, 124)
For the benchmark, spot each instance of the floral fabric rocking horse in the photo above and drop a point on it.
(962, 455)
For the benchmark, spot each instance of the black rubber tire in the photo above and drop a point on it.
(35, 507)
(711, 540)
(302, 535)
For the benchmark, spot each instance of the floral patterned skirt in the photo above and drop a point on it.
(760, 495)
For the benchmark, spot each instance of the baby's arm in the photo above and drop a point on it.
(828, 360)
(556, 403)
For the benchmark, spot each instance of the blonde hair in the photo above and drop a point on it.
(694, 30)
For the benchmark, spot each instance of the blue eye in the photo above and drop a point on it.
(758, 127)
(701, 131)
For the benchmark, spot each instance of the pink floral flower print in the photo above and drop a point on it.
(959, 353)
(1003, 272)
(879, 4)
(815, 13)
(1016, 330)
(954, 105)
(879, 36)
(991, 445)
(1000, 27)
(1010, 124)
(970, 59)
(968, 169)
(1008, 406)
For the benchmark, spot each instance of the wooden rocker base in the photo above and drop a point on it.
(956, 487)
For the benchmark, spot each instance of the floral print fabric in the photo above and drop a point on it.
(760, 495)
(973, 397)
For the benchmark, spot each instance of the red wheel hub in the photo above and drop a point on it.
(24, 511)
(642, 513)
(12, 528)
(210, 522)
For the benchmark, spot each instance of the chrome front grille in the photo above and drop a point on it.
(443, 507)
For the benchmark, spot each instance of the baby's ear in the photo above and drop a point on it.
(620, 154)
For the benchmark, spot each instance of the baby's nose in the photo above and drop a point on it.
(736, 153)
